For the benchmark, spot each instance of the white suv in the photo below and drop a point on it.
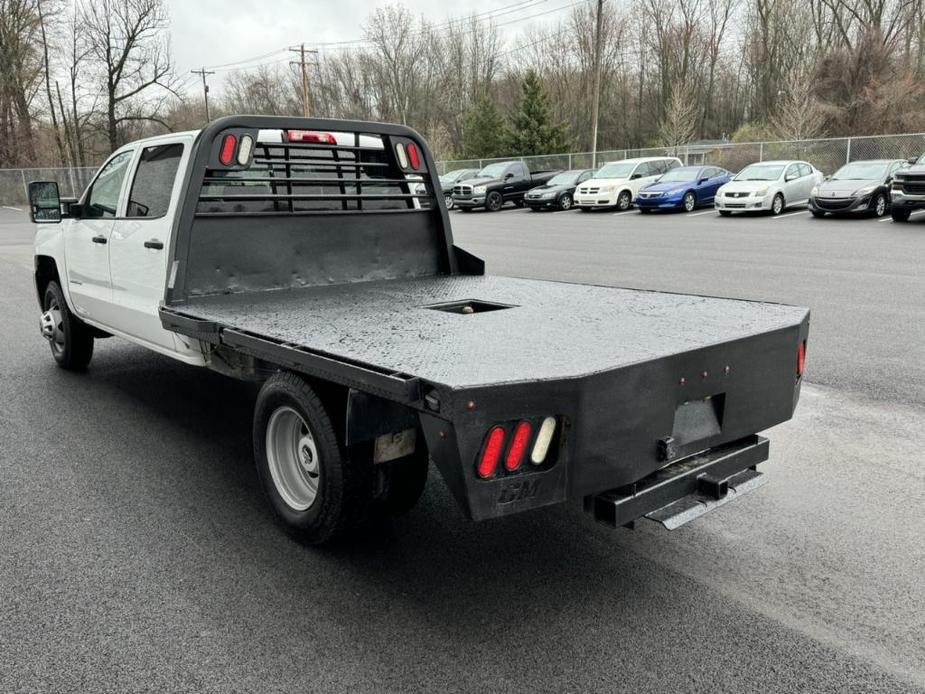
(616, 183)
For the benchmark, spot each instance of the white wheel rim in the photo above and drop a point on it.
(778, 205)
(688, 202)
(881, 205)
(292, 457)
(54, 316)
(565, 202)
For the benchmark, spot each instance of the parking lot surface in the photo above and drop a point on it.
(137, 553)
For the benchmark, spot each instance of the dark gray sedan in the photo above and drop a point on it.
(859, 187)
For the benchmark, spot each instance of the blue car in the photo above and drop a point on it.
(683, 188)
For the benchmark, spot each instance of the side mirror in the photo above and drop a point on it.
(913, 160)
(44, 202)
(702, 180)
(508, 176)
(635, 176)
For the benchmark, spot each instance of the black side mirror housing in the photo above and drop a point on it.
(635, 176)
(913, 160)
(44, 202)
(508, 176)
(702, 180)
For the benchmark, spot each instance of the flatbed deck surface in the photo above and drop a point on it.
(553, 330)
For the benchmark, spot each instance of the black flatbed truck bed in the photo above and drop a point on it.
(638, 382)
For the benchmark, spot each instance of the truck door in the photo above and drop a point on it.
(518, 181)
(86, 241)
(139, 244)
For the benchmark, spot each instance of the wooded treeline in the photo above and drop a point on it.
(81, 77)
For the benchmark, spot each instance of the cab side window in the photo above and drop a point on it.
(154, 178)
(103, 198)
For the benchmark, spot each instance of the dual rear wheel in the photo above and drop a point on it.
(318, 488)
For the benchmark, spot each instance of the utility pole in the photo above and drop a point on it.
(306, 92)
(596, 106)
(205, 89)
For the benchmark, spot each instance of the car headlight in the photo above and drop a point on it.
(478, 190)
(611, 189)
(547, 196)
(814, 192)
(761, 193)
(865, 191)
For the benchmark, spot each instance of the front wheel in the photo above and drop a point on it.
(624, 200)
(880, 205)
(690, 201)
(493, 202)
(777, 204)
(70, 338)
(565, 202)
(900, 215)
(316, 491)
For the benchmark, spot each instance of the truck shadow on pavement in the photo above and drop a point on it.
(430, 601)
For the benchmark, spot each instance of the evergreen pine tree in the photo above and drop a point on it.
(484, 133)
(532, 131)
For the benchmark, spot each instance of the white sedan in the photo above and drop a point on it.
(770, 186)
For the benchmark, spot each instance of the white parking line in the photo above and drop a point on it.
(697, 214)
(624, 211)
(15, 209)
(790, 214)
(890, 219)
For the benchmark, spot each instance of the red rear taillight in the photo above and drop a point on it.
(492, 453)
(801, 359)
(226, 153)
(413, 157)
(310, 136)
(515, 455)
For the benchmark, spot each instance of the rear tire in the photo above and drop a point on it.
(494, 201)
(71, 339)
(315, 490)
(900, 215)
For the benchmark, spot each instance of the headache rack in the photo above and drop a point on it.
(275, 203)
(303, 177)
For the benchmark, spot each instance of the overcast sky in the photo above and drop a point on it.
(217, 32)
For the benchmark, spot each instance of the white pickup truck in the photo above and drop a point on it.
(297, 253)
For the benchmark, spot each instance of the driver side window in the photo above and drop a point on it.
(792, 172)
(103, 198)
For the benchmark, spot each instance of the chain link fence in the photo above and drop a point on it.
(827, 154)
(14, 182)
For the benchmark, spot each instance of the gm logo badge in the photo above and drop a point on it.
(518, 490)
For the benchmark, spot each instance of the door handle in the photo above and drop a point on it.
(155, 244)
(99, 239)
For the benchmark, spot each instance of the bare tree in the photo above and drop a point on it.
(678, 126)
(20, 78)
(127, 40)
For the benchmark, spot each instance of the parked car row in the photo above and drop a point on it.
(875, 186)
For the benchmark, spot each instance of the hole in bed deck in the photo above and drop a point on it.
(468, 307)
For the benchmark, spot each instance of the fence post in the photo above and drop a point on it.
(848, 152)
(760, 151)
(570, 160)
(481, 166)
(25, 186)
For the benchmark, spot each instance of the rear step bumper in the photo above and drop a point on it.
(686, 489)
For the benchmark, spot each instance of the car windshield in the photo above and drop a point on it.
(493, 170)
(680, 175)
(451, 176)
(860, 171)
(566, 178)
(760, 172)
(921, 159)
(618, 170)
